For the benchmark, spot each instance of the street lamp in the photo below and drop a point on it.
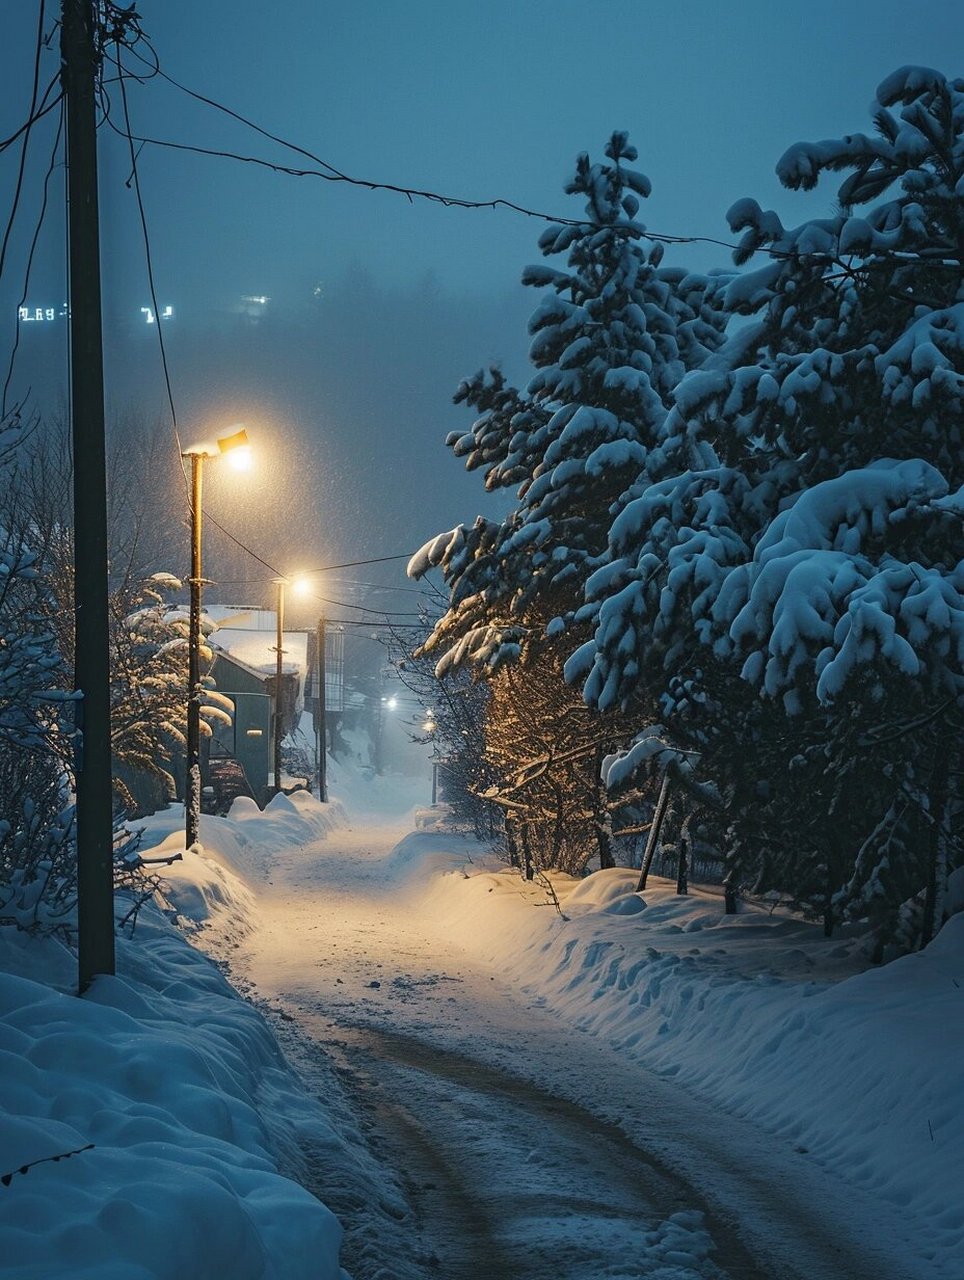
(299, 586)
(192, 782)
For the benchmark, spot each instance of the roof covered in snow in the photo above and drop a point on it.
(255, 650)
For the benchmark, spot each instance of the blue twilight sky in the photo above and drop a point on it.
(387, 303)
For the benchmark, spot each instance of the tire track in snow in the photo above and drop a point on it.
(370, 983)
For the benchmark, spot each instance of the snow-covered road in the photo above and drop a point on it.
(504, 1143)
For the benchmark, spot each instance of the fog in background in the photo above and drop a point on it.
(377, 305)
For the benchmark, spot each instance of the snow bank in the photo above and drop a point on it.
(864, 1070)
(169, 1088)
(214, 886)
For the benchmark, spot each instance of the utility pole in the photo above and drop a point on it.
(322, 725)
(95, 843)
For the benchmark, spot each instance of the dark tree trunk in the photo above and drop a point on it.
(936, 844)
(652, 842)
(527, 868)
(828, 916)
(604, 842)
(682, 875)
(510, 843)
(558, 826)
(729, 894)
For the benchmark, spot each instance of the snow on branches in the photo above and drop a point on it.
(611, 337)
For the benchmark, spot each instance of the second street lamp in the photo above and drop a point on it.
(299, 586)
(192, 781)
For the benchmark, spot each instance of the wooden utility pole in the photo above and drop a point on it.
(321, 722)
(95, 870)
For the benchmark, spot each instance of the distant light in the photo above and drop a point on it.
(253, 733)
(392, 703)
(166, 313)
(34, 315)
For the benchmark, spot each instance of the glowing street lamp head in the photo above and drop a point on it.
(237, 449)
(241, 458)
(300, 586)
(236, 440)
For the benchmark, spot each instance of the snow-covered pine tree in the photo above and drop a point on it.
(613, 334)
(814, 416)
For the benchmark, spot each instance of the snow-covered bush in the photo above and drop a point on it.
(148, 688)
(35, 815)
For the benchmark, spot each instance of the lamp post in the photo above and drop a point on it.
(429, 727)
(192, 780)
(321, 726)
(298, 585)
(278, 671)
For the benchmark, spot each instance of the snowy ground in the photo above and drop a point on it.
(180, 1109)
(644, 1088)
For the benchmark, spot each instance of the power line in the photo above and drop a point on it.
(380, 613)
(30, 255)
(25, 132)
(329, 173)
(353, 564)
(380, 586)
(325, 568)
(125, 19)
(44, 109)
(369, 626)
(135, 182)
